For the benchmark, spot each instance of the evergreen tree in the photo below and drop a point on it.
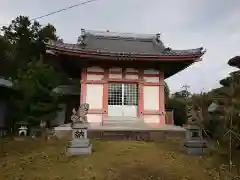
(34, 77)
(36, 82)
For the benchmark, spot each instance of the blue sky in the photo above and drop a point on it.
(213, 24)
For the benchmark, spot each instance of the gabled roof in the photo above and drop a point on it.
(123, 45)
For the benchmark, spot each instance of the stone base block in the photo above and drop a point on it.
(71, 151)
(195, 147)
(195, 151)
(79, 147)
(79, 143)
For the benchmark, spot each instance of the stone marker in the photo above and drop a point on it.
(80, 144)
(194, 143)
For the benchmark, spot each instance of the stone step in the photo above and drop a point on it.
(122, 121)
(122, 118)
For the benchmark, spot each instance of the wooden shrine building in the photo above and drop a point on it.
(121, 75)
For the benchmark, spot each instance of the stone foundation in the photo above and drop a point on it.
(143, 132)
(156, 136)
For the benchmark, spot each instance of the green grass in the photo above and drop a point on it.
(113, 160)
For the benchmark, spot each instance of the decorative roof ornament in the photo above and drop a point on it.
(158, 37)
(83, 32)
(203, 50)
(167, 49)
(81, 38)
(60, 41)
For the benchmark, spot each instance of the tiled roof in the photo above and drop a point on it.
(124, 43)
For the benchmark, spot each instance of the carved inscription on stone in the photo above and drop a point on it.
(79, 134)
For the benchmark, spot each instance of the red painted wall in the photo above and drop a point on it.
(140, 81)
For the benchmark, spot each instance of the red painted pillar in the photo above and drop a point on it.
(161, 99)
(83, 93)
(140, 95)
(105, 94)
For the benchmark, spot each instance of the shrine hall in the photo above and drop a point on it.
(121, 75)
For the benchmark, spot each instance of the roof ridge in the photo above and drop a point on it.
(120, 34)
(121, 38)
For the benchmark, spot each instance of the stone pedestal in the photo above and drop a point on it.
(79, 144)
(194, 143)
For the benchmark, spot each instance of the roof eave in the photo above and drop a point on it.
(172, 73)
(109, 55)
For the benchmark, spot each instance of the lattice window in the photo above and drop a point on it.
(115, 94)
(122, 94)
(130, 94)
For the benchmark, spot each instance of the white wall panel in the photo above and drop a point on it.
(151, 79)
(115, 69)
(115, 76)
(94, 96)
(95, 69)
(131, 76)
(151, 97)
(95, 77)
(131, 70)
(151, 71)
